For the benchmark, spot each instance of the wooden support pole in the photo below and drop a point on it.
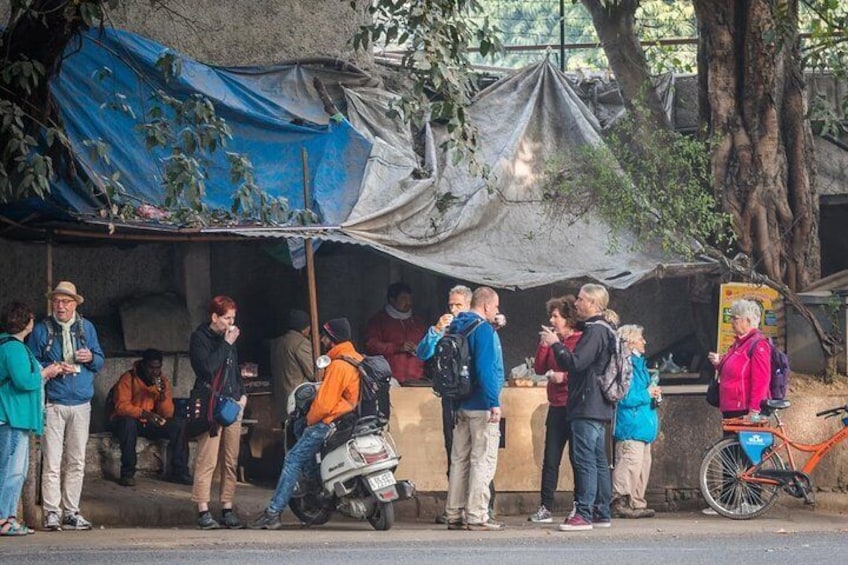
(310, 264)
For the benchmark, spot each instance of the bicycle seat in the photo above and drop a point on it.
(770, 405)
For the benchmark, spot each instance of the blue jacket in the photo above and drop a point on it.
(484, 347)
(635, 418)
(73, 389)
(21, 407)
(427, 346)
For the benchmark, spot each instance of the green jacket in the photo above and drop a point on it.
(21, 400)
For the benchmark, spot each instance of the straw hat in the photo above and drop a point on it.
(68, 289)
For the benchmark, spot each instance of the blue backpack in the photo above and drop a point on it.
(779, 382)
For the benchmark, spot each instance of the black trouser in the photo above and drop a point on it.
(127, 431)
(557, 434)
(449, 409)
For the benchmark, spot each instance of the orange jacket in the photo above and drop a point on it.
(132, 397)
(339, 391)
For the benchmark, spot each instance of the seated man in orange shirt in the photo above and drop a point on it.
(144, 406)
(337, 395)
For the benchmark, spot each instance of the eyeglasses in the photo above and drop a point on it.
(63, 301)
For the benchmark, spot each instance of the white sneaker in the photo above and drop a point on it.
(541, 516)
(75, 521)
(708, 511)
(52, 522)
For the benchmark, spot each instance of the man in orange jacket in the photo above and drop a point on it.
(337, 396)
(144, 406)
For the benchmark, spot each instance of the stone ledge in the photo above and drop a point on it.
(103, 456)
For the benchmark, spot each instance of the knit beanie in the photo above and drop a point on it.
(337, 329)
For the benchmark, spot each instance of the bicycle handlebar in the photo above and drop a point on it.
(833, 411)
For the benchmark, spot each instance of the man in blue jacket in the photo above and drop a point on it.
(587, 408)
(476, 435)
(459, 300)
(67, 338)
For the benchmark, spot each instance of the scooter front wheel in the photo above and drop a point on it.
(308, 511)
(383, 516)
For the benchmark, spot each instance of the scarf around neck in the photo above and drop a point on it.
(67, 339)
(397, 314)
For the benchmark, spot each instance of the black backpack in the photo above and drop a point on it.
(109, 406)
(375, 374)
(450, 366)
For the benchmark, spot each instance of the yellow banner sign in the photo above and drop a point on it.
(767, 298)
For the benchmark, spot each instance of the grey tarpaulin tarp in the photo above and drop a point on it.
(502, 234)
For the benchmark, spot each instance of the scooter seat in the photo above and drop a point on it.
(350, 427)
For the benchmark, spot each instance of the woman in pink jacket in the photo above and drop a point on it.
(744, 371)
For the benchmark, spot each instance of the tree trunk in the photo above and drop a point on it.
(762, 160)
(29, 498)
(39, 32)
(614, 23)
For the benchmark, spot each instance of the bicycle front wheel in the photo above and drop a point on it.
(724, 488)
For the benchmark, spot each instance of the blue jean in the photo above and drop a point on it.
(14, 461)
(299, 460)
(592, 482)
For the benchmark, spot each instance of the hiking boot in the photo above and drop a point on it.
(644, 513)
(576, 523)
(206, 522)
(457, 526)
(541, 516)
(75, 521)
(52, 522)
(487, 526)
(267, 520)
(128, 481)
(623, 511)
(230, 521)
(180, 478)
(442, 518)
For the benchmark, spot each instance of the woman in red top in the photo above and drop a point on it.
(557, 429)
(744, 371)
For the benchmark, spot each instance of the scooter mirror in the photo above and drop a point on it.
(322, 362)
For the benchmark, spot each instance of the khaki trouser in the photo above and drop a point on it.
(631, 472)
(63, 446)
(220, 451)
(474, 459)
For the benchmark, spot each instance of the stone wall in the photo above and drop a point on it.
(229, 33)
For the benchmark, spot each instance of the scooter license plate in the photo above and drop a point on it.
(383, 480)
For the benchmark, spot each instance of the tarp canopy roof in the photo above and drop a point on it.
(365, 177)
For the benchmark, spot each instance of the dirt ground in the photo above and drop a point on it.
(813, 385)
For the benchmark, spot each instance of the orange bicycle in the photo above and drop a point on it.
(742, 474)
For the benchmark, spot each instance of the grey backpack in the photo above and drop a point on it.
(616, 378)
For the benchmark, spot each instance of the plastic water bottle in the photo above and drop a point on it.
(655, 381)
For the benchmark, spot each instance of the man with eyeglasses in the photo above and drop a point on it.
(67, 339)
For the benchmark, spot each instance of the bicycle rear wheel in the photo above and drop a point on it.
(726, 491)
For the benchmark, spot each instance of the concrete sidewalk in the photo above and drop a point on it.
(157, 504)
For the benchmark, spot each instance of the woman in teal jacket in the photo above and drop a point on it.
(21, 410)
(636, 428)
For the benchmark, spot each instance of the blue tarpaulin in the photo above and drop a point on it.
(268, 125)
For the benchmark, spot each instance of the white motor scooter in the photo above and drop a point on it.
(357, 463)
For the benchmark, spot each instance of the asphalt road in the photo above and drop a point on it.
(684, 539)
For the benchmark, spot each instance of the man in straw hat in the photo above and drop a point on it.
(67, 339)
